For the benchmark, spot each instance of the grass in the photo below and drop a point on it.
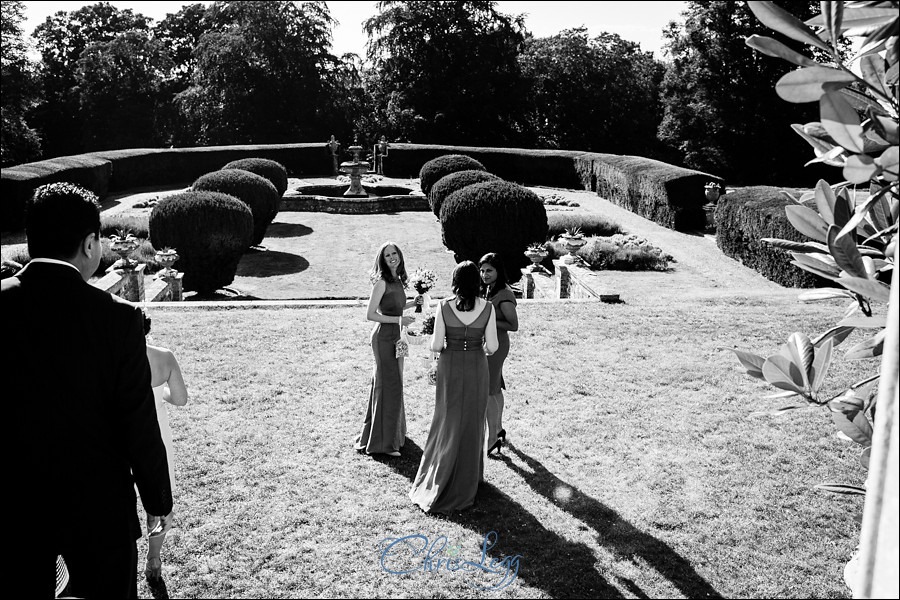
(633, 469)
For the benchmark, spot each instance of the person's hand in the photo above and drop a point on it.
(407, 321)
(158, 525)
(420, 300)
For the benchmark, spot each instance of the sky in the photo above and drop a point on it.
(641, 22)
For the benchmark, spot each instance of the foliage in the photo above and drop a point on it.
(623, 253)
(591, 94)
(716, 92)
(493, 216)
(19, 143)
(211, 231)
(261, 73)
(853, 246)
(589, 223)
(272, 170)
(452, 182)
(118, 82)
(255, 191)
(445, 72)
(61, 39)
(436, 168)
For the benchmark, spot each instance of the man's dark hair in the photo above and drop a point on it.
(58, 217)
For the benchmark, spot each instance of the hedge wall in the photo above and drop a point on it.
(745, 216)
(668, 195)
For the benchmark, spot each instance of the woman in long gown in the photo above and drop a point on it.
(384, 427)
(168, 385)
(452, 464)
(494, 289)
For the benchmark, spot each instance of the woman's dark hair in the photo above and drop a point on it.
(146, 323)
(382, 271)
(493, 259)
(466, 283)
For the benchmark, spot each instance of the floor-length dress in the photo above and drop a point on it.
(162, 416)
(495, 364)
(384, 428)
(453, 460)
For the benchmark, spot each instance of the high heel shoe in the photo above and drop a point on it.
(502, 435)
(496, 446)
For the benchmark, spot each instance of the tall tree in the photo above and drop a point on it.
(446, 71)
(599, 94)
(18, 142)
(261, 71)
(721, 114)
(61, 39)
(119, 84)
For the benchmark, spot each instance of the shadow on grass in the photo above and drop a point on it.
(270, 263)
(287, 230)
(612, 532)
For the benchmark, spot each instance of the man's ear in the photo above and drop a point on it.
(91, 245)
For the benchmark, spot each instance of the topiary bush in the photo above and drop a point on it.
(493, 216)
(453, 182)
(437, 168)
(255, 191)
(272, 170)
(210, 231)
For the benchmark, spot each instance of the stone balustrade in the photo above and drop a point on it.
(131, 285)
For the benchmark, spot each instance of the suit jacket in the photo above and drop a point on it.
(83, 425)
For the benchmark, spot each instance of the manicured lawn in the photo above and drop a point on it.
(633, 469)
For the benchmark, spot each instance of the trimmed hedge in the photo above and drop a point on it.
(669, 195)
(433, 170)
(272, 170)
(210, 231)
(255, 191)
(589, 223)
(745, 216)
(454, 182)
(493, 216)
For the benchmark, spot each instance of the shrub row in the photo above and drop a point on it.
(747, 215)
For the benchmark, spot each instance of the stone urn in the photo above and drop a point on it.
(536, 254)
(712, 192)
(573, 243)
(123, 245)
(166, 257)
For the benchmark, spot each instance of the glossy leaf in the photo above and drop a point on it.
(885, 126)
(776, 18)
(825, 201)
(880, 215)
(801, 353)
(869, 288)
(804, 247)
(845, 253)
(841, 488)
(772, 47)
(825, 294)
(809, 83)
(820, 365)
(838, 334)
(862, 209)
(848, 402)
(854, 18)
(783, 374)
(834, 157)
(841, 121)
(751, 362)
(889, 161)
(870, 348)
(843, 207)
(859, 168)
(809, 262)
(834, 15)
(872, 69)
(808, 222)
(855, 425)
(864, 457)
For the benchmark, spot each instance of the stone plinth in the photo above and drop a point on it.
(166, 289)
(125, 283)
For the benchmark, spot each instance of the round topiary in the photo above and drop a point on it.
(442, 166)
(272, 170)
(493, 216)
(453, 182)
(255, 191)
(209, 230)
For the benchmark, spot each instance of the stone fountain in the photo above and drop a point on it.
(355, 168)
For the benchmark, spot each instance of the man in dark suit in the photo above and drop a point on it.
(83, 426)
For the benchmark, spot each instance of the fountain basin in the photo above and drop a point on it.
(327, 195)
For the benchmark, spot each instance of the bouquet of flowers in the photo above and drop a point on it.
(427, 326)
(423, 281)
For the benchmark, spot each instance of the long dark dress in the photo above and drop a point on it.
(495, 360)
(453, 461)
(384, 429)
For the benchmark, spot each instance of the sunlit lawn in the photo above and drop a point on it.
(633, 470)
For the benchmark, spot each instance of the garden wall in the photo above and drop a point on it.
(669, 195)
